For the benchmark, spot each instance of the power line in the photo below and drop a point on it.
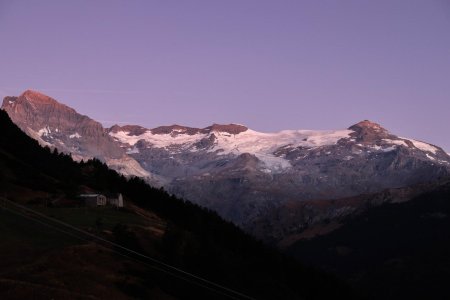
(215, 287)
(119, 253)
(124, 255)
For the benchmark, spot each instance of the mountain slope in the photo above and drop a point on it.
(246, 175)
(392, 251)
(57, 125)
(42, 262)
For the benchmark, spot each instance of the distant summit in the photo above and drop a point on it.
(368, 125)
(230, 128)
(38, 111)
(368, 131)
(132, 129)
(37, 97)
(175, 130)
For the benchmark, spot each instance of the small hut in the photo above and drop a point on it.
(93, 199)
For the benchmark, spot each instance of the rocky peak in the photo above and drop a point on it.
(176, 129)
(131, 129)
(367, 125)
(32, 106)
(38, 98)
(36, 111)
(54, 123)
(230, 128)
(368, 131)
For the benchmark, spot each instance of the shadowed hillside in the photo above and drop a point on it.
(42, 261)
(393, 251)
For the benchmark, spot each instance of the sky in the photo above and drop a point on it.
(270, 65)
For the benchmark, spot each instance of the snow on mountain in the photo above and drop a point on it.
(157, 140)
(262, 145)
(249, 141)
(396, 142)
(76, 135)
(242, 174)
(424, 146)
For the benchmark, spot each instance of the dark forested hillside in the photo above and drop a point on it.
(185, 236)
(393, 251)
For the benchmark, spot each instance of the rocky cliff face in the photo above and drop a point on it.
(61, 126)
(242, 174)
(56, 125)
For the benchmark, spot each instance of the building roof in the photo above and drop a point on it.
(90, 195)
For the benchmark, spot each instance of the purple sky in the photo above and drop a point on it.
(270, 65)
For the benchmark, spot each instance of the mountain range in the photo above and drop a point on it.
(273, 185)
(155, 247)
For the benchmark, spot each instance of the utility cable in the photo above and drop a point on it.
(121, 254)
(235, 293)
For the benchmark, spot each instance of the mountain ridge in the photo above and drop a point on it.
(243, 174)
(44, 259)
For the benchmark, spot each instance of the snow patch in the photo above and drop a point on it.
(44, 131)
(396, 142)
(418, 144)
(389, 149)
(75, 135)
(375, 147)
(430, 157)
(133, 150)
(423, 146)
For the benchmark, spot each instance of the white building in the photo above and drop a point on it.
(94, 199)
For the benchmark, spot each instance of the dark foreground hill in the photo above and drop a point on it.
(43, 259)
(392, 251)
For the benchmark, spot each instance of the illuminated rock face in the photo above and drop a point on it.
(242, 174)
(58, 126)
